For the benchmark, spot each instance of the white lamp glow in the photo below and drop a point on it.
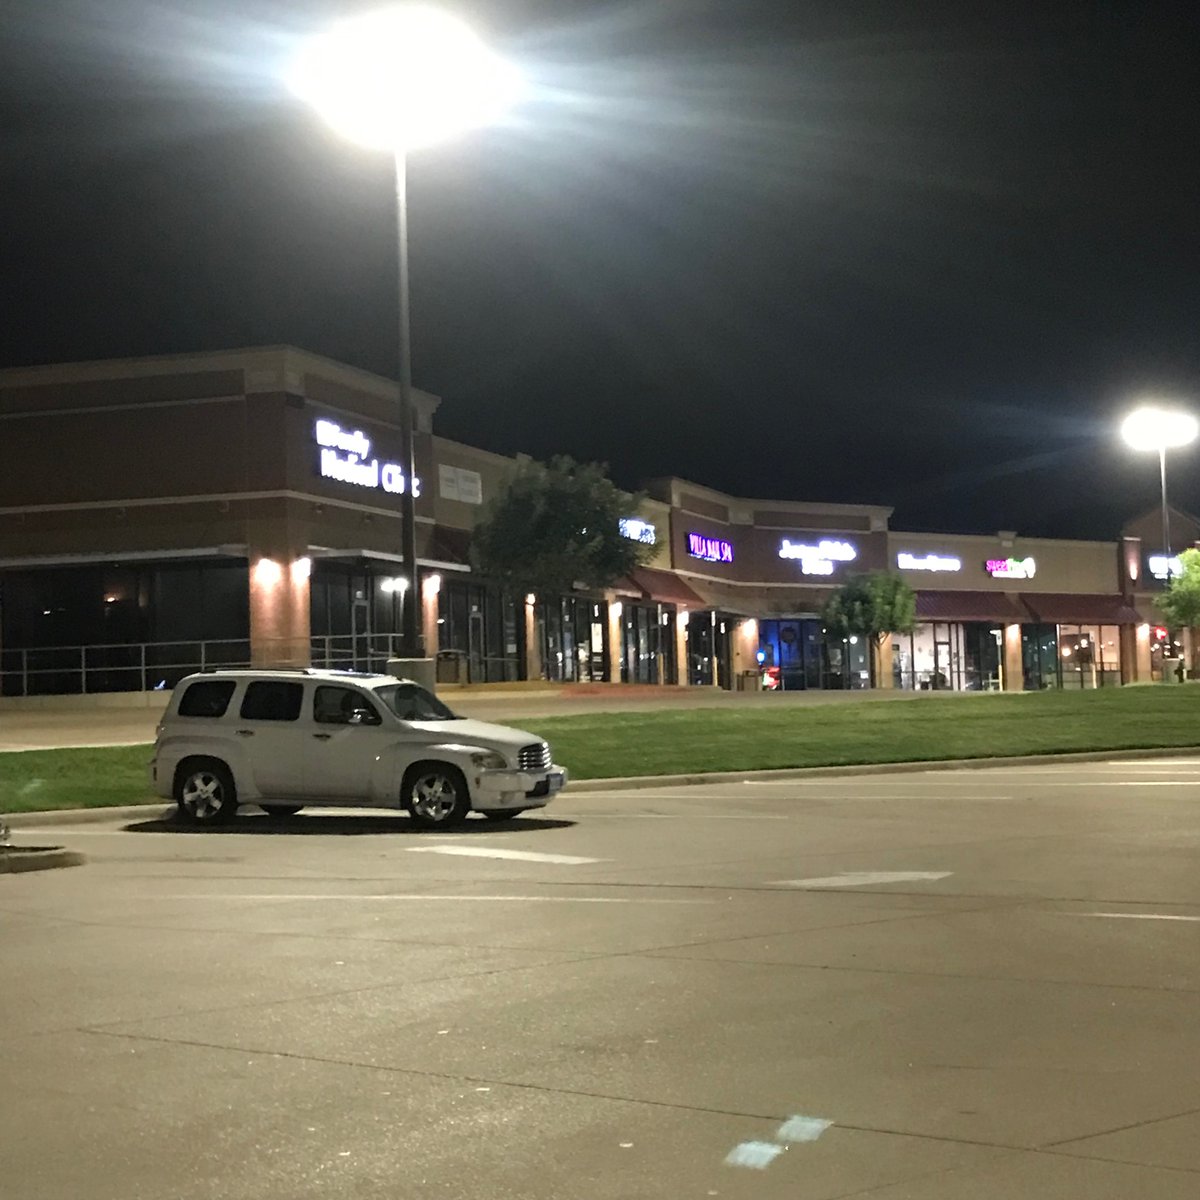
(403, 77)
(1153, 428)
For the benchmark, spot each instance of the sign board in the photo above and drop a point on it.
(819, 559)
(1010, 568)
(458, 483)
(709, 549)
(928, 562)
(346, 457)
(637, 530)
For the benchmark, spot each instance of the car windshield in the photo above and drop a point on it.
(412, 703)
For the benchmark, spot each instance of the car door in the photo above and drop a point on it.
(347, 737)
(269, 735)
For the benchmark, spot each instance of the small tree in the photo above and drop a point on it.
(555, 525)
(1180, 603)
(872, 607)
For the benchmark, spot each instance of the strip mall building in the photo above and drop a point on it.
(161, 515)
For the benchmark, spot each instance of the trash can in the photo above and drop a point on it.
(1172, 672)
(750, 681)
(451, 666)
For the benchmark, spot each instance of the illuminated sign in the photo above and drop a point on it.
(709, 549)
(1162, 567)
(344, 457)
(1010, 568)
(928, 562)
(637, 530)
(821, 559)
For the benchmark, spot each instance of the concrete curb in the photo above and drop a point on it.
(892, 768)
(88, 816)
(19, 859)
(154, 812)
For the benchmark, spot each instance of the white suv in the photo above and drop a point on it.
(282, 739)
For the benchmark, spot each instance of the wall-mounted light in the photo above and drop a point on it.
(616, 608)
(531, 598)
(432, 584)
(395, 583)
(301, 569)
(682, 618)
(267, 572)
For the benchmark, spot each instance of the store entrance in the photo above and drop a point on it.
(708, 650)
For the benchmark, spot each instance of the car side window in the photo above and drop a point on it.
(208, 698)
(343, 706)
(272, 700)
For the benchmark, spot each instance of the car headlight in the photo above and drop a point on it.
(489, 760)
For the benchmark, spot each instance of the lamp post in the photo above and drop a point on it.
(398, 79)
(1152, 427)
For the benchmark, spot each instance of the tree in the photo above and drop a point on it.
(873, 607)
(555, 525)
(1180, 603)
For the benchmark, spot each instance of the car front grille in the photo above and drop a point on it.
(534, 758)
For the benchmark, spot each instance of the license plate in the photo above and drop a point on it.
(555, 780)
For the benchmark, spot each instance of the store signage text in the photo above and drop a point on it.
(821, 559)
(1010, 568)
(1162, 567)
(709, 549)
(928, 562)
(344, 457)
(637, 530)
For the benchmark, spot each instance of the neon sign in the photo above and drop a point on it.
(821, 559)
(928, 562)
(1162, 567)
(344, 458)
(637, 530)
(709, 549)
(1010, 568)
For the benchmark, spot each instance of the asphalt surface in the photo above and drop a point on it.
(969, 985)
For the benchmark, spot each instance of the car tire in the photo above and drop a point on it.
(435, 795)
(503, 814)
(205, 792)
(281, 810)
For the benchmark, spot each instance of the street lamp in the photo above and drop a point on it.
(399, 79)
(1154, 428)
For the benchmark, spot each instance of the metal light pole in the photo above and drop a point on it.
(412, 637)
(398, 79)
(1161, 429)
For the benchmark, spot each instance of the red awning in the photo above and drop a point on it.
(970, 606)
(665, 588)
(1063, 608)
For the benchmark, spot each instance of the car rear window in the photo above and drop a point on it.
(272, 700)
(209, 698)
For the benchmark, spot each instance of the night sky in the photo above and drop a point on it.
(905, 253)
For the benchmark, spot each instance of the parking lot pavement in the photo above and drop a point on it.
(932, 986)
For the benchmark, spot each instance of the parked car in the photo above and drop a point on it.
(283, 739)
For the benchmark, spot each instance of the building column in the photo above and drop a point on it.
(533, 650)
(616, 612)
(745, 648)
(1142, 659)
(681, 654)
(431, 586)
(280, 616)
(1014, 670)
(884, 653)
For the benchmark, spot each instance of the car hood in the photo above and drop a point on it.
(479, 733)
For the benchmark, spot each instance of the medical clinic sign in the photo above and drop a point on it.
(346, 457)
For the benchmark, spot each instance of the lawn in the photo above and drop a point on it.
(728, 739)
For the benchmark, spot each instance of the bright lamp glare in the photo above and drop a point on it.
(403, 77)
(1153, 428)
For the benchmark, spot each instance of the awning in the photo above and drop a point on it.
(970, 606)
(1064, 608)
(664, 588)
(769, 602)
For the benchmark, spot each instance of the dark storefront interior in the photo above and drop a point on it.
(573, 634)
(480, 634)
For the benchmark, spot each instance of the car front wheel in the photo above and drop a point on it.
(435, 795)
(205, 793)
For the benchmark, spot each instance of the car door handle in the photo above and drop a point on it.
(322, 737)
(245, 733)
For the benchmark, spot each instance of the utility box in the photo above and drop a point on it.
(451, 666)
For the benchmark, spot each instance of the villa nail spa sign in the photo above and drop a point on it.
(709, 549)
(346, 457)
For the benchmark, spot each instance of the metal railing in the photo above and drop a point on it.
(114, 667)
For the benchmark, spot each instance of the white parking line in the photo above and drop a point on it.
(409, 896)
(1134, 916)
(496, 852)
(861, 878)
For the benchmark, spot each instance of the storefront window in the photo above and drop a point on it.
(792, 654)
(958, 656)
(708, 649)
(477, 634)
(572, 633)
(1089, 655)
(1039, 657)
(648, 644)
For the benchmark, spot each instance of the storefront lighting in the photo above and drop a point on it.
(394, 583)
(638, 530)
(682, 618)
(616, 608)
(709, 549)
(432, 584)
(928, 562)
(531, 598)
(110, 599)
(301, 569)
(1163, 568)
(1010, 568)
(267, 572)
